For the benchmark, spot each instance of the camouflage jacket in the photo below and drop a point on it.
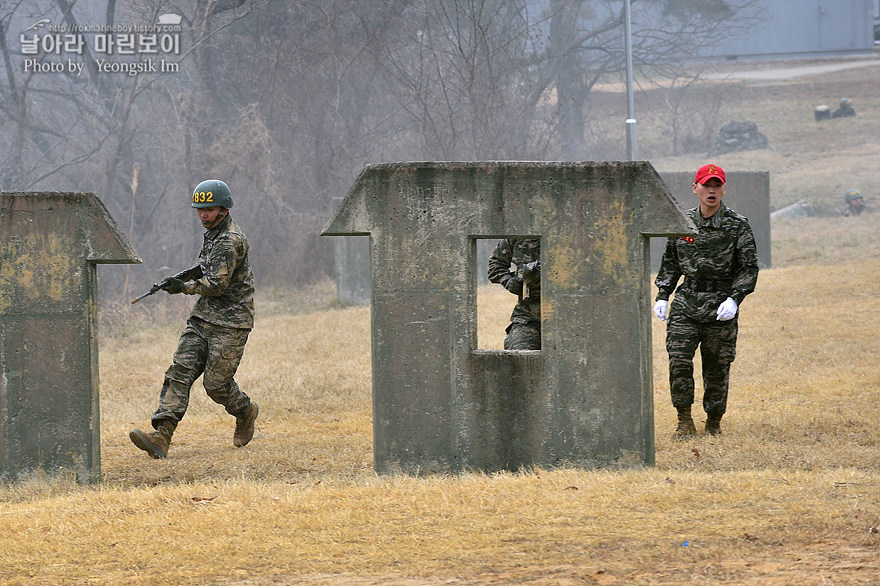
(720, 262)
(226, 286)
(517, 252)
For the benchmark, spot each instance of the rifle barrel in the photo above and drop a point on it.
(133, 301)
(147, 294)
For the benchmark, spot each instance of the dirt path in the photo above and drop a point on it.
(754, 72)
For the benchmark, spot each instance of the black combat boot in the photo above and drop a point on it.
(244, 426)
(686, 427)
(154, 443)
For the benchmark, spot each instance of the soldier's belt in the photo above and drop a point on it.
(706, 285)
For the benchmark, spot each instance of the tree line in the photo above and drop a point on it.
(286, 101)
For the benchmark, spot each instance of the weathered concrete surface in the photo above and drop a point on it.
(585, 398)
(49, 411)
(748, 193)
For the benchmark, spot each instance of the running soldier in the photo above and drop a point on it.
(217, 329)
(720, 267)
(524, 331)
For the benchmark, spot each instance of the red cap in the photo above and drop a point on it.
(709, 171)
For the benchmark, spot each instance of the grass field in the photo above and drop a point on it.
(789, 494)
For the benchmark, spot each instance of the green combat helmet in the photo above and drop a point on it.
(852, 194)
(210, 193)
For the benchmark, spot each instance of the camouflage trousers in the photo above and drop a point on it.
(208, 349)
(525, 336)
(717, 342)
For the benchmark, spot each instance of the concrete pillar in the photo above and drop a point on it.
(49, 407)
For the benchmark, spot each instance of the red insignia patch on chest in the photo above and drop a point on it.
(688, 239)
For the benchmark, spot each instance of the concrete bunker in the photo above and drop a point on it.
(49, 408)
(442, 405)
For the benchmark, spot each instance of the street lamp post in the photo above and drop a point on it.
(632, 137)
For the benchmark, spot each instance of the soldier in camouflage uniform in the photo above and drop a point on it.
(720, 267)
(524, 331)
(855, 203)
(217, 329)
(844, 109)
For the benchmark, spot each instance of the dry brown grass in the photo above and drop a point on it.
(811, 161)
(790, 494)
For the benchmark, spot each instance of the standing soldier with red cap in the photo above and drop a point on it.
(217, 330)
(720, 267)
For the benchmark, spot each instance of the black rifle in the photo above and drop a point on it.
(187, 275)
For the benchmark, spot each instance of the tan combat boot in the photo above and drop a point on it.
(713, 425)
(244, 426)
(686, 427)
(154, 443)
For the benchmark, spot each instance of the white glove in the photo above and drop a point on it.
(727, 310)
(660, 309)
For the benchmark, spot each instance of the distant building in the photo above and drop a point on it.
(804, 28)
(770, 29)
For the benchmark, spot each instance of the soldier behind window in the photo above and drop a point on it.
(515, 264)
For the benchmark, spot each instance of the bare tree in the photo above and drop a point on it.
(476, 77)
(461, 72)
(306, 76)
(286, 101)
(88, 128)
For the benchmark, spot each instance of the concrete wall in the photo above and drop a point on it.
(585, 398)
(49, 408)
